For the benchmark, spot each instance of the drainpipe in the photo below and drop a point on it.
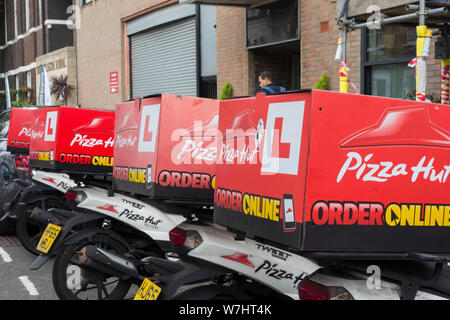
(44, 34)
(343, 71)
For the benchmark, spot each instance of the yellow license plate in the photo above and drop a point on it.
(148, 291)
(48, 237)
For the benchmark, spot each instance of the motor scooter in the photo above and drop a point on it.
(45, 190)
(110, 234)
(314, 275)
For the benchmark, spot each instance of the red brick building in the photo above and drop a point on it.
(156, 46)
(28, 30)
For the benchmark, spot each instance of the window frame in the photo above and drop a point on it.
(366, 67)
(268, 44)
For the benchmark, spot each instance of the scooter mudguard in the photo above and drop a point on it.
(6, 206)
(78, 218)
(34, 192)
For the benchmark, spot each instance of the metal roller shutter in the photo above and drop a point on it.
(164, 60)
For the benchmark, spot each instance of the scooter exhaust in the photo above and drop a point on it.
(108, 263)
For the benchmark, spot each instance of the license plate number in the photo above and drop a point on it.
(147, 291)
(48, 237)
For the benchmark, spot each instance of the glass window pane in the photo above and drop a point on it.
(391, 42)
(393, 80)
(274, 22)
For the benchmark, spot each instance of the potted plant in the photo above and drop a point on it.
(60, 88)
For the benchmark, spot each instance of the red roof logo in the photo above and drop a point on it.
(241, 258)
(408, 126)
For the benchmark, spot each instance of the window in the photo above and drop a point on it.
(17, 87)
(16, 32)
(386, 55)
(86, 2)
(29, 80)
(272, 23)
(29, 84)
(27, 15)
(6, 23)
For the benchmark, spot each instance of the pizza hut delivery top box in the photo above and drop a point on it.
(338, 172)
(72, 139)
(165, 148)
(19, 130)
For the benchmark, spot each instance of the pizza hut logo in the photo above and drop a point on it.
(109, 208)
(240, 258)
(25, 131)
(37, 134)
(86, 141)
(398, 127)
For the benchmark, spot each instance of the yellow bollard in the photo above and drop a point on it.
(343, 77)
(421, 67)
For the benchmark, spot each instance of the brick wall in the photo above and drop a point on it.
(318, 44)
(319, 36)
(102, 49)
(433, 73)
(232, 55)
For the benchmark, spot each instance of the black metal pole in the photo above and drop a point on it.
(44, 33)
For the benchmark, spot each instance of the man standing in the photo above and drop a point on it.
(266, 84)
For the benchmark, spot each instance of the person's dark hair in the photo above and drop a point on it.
(267, 75)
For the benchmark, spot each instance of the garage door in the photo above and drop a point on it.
(164, 60)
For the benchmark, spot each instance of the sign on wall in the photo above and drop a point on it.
(114, 82)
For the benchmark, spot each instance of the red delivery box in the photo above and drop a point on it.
(337, 172)
(72, 139)
(165, 148)
(19, 130)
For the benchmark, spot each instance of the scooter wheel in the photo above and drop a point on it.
(28, 231)
(73, 280)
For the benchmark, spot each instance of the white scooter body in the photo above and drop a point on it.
(137, 214)
(277, 269)
(282, 270)
(59, 181)
(363, 288)
(140, 215)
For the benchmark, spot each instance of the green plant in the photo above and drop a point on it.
(227, 91)
(60, 88)
(22, 97)
(323, 83)
(433, 97)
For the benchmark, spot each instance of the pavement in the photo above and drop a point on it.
(18, 282)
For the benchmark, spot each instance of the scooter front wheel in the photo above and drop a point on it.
(73, 280)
